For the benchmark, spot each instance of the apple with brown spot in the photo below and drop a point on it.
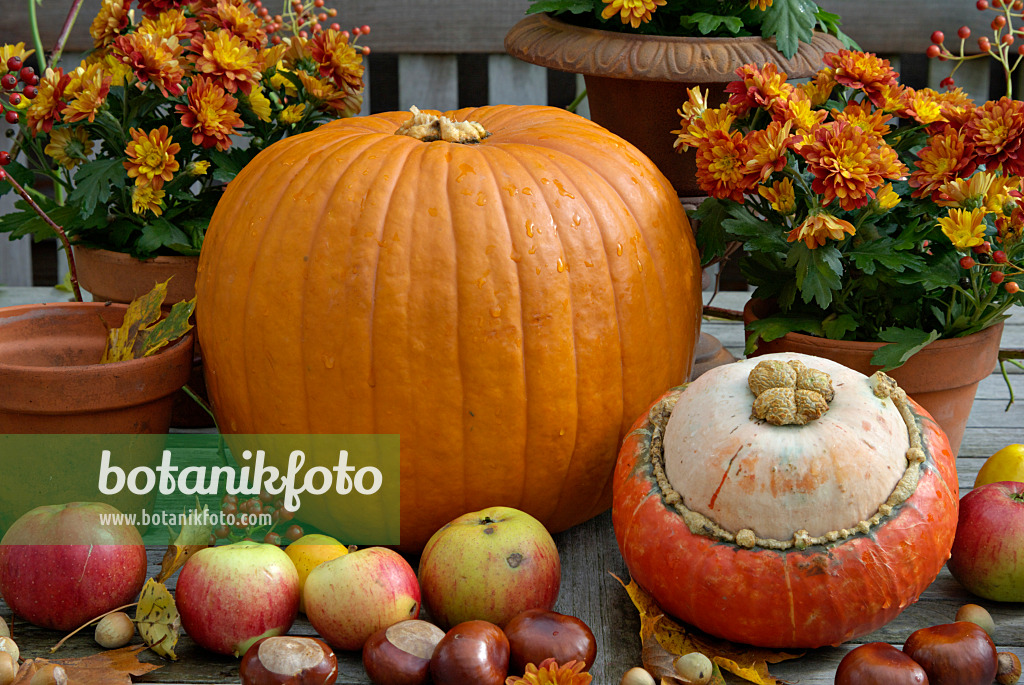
(489, 565)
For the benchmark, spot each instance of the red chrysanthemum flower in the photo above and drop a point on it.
(110, 20)
(237, 17)
(152, 8)
(946, 157)
(767, 150)
(849, 163)
(997, 132)
(48, 104)
(86, 92)
(863, 71)
(759, 87)
(211, 114)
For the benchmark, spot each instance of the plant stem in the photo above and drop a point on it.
(65, 30)
(572, 106)
(56, 229)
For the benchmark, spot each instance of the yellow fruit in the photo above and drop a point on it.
(1006, 464)
(310, 551)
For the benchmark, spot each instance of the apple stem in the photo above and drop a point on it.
(86, 625)
(1017, 497)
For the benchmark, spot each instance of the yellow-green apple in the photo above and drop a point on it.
(988, 550)
(230, 596)
(62, 565)
(489, 565)
(350, 598)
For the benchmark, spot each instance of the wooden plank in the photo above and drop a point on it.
(885, 27)
(513, 82)
(972, 76)
(428, 82)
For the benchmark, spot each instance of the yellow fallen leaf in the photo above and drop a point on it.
(660, 632)
(157, 619)
(141, 312)
(192, 538)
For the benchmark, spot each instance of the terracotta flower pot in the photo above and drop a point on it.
(118, 277)
(52, 383)
(943, 377)
(636, 84)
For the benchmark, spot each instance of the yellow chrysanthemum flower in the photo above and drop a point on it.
(199, 167)
(998, 199)
(780, 195)
(964, 228)
(147, 199)
(961, 192)
(292, 114)
(258, 103)
(760, 4)
(886, 198)
(69, 147)
(9, 51)
(632, 12)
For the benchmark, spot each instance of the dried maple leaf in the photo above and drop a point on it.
(663, 639)
(191, 539)
(157, 619)
(113, 667)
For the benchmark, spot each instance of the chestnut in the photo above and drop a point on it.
(958, 653)
(537, 634)
(400, 654)
(474, 652)
(879, 663)
(288, 660)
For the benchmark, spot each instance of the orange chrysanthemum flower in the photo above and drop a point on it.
(767, 150)
(780, 195)
(47, 106)
(864, 116)
(959, 192)
(86, 92)
(848, 164)
(819, 88)
(151, 157)
(229, 60)
(147, 199)
(112, 18)
(632, 12)
(946, 157)
(343, 102)
(153, 59)
(337, 60)
(211, 114)
(759, 87)
(924, 106)
(721, 170)
(550, 673)
(964, 228)
(819, 227)
(760, 4)
(800, 110)
(863, 71)
(698, 129)
(237, 17)
(170, 24)
(997, 132)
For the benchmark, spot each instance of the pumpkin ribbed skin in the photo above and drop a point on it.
(506, 307)
(822, 595)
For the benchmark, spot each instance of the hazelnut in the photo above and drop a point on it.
(50, 674)
(8, 669)
(1007, 668)
(637, 676)
(114, 630)
(693, 668)
(11, 647)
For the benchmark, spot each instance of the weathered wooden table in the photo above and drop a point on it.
(590, 557)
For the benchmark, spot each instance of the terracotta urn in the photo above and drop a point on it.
(943, 377)
(635, 84)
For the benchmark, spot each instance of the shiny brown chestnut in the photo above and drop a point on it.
(959, 653)
(879, 663)
(536, 634)
(474, 652)
(289, 660)
(400, 654)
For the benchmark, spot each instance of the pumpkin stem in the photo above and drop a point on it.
(430, 127)
(789, 393)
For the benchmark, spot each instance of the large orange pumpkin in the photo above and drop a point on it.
(785, 535)
(507, 307)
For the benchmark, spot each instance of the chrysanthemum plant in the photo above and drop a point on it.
(139, 140)
(867, 210)
(788, 22)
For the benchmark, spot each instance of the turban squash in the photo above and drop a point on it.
(506, 306)
(790, 535)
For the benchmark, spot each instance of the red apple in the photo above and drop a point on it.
(988, 550)
(230, 596)
(350, 598)
(489, 565)
(65, 564)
